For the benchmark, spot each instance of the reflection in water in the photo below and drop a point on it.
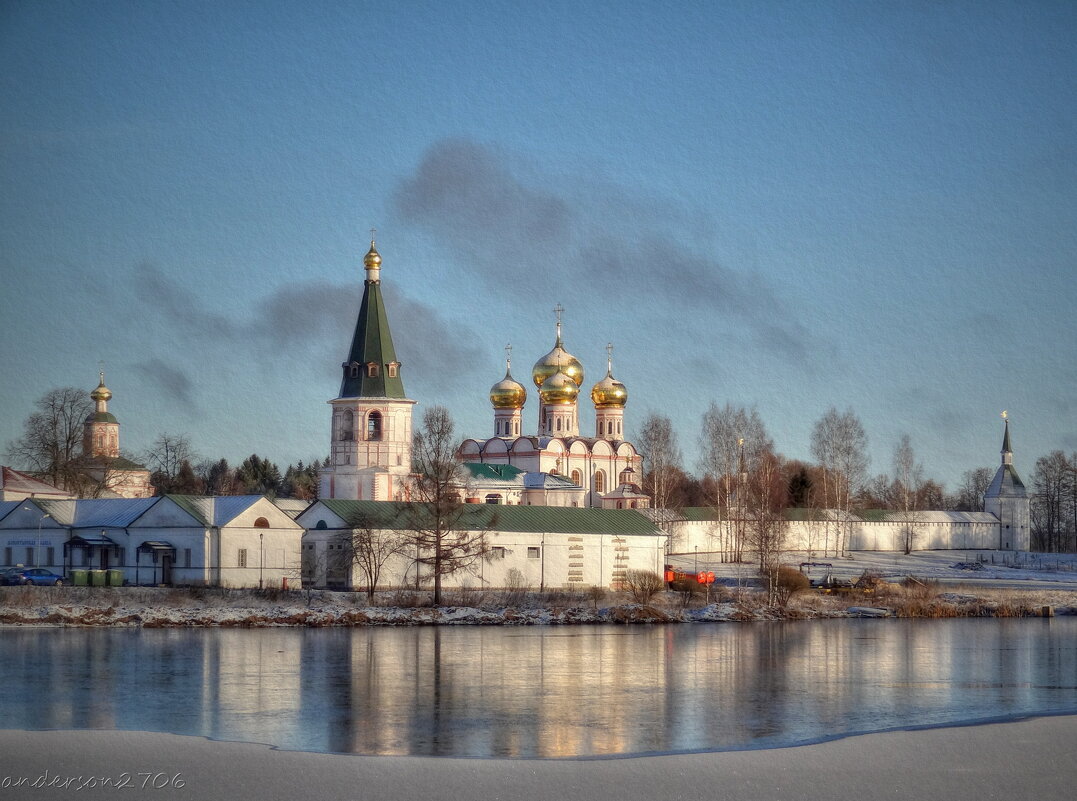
(538, 692)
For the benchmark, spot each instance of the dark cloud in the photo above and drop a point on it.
(518, 237)
(172, 381)
(311, 322)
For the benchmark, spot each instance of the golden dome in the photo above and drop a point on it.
(559, 388)
(102, 393)
(609, 392)
(372, 259)
(508, 393)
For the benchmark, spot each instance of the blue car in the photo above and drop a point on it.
(33, 575)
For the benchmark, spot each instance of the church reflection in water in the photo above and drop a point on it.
(539, 691)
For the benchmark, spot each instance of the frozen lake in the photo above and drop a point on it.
(541, 691)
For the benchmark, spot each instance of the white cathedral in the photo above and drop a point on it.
(372, 428)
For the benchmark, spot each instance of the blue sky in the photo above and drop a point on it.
(791, 205)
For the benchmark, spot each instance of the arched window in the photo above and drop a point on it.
(355, 370)
(347, 425)
(372, 370)
(261, 522)
(320, 525)
(576, 478)
(600, 482)
(609, 426)
(373, 427)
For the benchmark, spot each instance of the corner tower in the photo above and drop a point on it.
(370, 440)
(1007, 499)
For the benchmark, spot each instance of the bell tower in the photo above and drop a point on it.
(370, 438)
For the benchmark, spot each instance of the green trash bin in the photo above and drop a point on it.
(97, 578)
(115, 578)
(80, 578)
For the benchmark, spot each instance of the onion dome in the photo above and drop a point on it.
(372, 259)
(102, 393)
(560, 388)
(557, 360)
(609, 392)
(508, 393)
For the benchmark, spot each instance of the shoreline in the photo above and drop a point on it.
(1022, 758)
(172, 608)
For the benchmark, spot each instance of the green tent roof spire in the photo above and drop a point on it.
(372, 369)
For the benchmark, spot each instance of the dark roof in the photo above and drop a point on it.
(371, 343)
(1006, 482)
(478, 516)
(503, 472)
(101, 417)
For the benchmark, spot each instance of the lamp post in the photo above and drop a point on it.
(37, 542)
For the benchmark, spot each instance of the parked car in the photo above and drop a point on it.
(34, 575)
(11, 575)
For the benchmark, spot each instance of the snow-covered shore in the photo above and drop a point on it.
(63, 607)
(1014, 760)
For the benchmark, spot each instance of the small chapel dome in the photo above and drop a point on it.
(508, 393)
(609, 392)
(559, 388)
(372, 260)
(102, 393)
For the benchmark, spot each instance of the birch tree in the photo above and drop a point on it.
(909, 479)
(732, 441)
(839, 444)
(657, 443)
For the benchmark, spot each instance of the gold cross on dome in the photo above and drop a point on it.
(508, 356)
(372, 232)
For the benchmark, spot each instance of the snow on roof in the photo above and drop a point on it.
(13, 481)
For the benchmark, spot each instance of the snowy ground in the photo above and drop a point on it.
(946, 566)
(1017, 760)
(971, 583)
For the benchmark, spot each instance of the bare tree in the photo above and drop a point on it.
(165, 457)
(657, 443)
(840, 444)
(442, 544)
(1050, 505)
(970, 495)
(765, 502)
(51, 444)
(908, 483)
(732, 440)
(370, 548)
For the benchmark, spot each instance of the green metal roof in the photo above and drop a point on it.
(371, 343)
(475, 517)
(101, 417)
(503, 472)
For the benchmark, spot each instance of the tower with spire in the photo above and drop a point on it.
(370, 439)
(558, 376)
(1007, 499)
